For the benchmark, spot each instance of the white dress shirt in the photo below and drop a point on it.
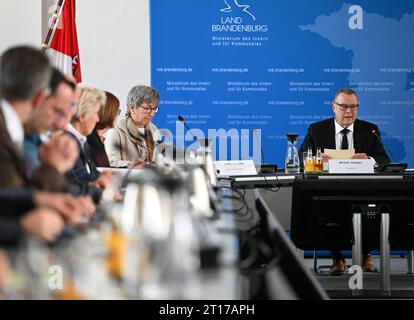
(80, 137)
(339, 136)
(13, 124)
(82, 140)
(349, 135)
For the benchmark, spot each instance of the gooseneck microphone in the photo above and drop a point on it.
(374, 132)
(181, 119)
(264, 168)
(389, 167)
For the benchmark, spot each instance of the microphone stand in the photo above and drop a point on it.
(392, 167)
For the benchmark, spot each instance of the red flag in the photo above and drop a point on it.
(64, 50)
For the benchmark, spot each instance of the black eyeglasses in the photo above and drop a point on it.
(149, 110)
(345, 107)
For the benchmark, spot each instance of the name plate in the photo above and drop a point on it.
(351, 166)
(235, 168)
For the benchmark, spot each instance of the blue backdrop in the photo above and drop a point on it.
(276, 65)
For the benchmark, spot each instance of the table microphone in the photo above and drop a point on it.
(181, 119)
(264, 168)
(374, 132)
(389, 167)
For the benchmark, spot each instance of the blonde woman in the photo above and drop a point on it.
(82, 125)
(133, 139)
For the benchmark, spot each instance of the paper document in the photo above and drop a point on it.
(340, 154)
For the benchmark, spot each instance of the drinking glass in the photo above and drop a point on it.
(308, 161)
(318, 165)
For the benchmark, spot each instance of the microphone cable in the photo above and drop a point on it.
(269, 186)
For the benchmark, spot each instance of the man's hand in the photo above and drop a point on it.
(325, 157)
(43, 223)
(359, 156)
(103, 181)
(71, 209)
(60, 153)
(87, 206)
(118, 197)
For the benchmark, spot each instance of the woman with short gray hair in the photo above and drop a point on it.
(133, 139)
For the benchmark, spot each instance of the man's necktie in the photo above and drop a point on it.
(344, 145)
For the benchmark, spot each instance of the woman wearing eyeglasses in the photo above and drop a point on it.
(133, 139)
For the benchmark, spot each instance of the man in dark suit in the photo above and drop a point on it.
(24, 78)
(345, 131)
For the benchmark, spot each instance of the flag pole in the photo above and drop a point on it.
(52, 27)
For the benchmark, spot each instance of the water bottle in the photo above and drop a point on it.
(292, 156)
(205, 159)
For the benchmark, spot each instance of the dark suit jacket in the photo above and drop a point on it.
(80, 178)
(79, 173)
(12, 170)
(13, 176)
(14, 204)
(97, 150)
(322, 134)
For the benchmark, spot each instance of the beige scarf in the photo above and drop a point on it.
(134, 132)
